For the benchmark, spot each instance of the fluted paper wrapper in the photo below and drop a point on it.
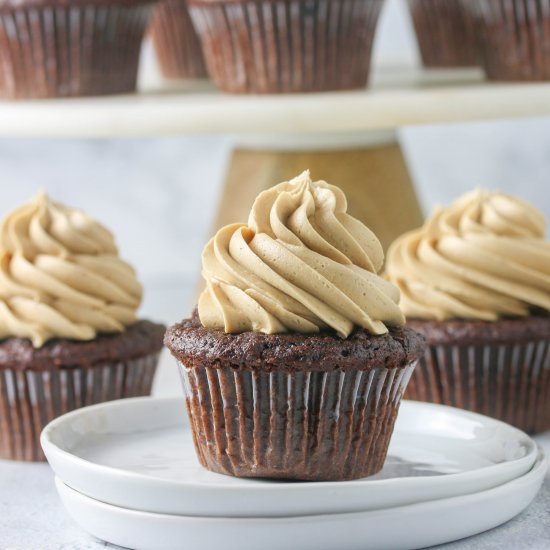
(293, 425)
(178, 47)
(30, 399)
(510, 382)
(514, 38)
(445, 31)
(279, 46)
(70, 49)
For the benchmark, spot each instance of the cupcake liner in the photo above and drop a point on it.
(78, 49)
(510, 382)
(278, 46)
(445, 31)
(514, 38)
(178, 47)
(293, 425)
(29, 399)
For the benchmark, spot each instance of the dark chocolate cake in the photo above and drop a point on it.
(139, 339)
(194, 344)
(38, 384)
(177, 45)
(293, 406)
(55, 48)
(498, 368)
(286, 47)
(445, 31)
(296, 360)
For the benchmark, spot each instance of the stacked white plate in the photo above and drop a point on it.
(127, 473)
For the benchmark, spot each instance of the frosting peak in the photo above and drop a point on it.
(482, 257)
(60, 275)
(301, 264)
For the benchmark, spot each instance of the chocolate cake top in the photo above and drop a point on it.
(197, 346)
(137, 340)
(476, 332)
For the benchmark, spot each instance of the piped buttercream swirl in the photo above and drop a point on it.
(61, 277)
(301, 264)
(483, 257)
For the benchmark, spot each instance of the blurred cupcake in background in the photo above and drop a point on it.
(69, 335)
(475, 281)
(177, 45)
(514, 38)
(445, 31)
(53, 48)
(272, 46)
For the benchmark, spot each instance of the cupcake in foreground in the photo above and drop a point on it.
(53, 48)
(177, 45)
(267, 46)
(69, 335)
(513, 38)
(475, 281)
(296, 360)
(445, 31)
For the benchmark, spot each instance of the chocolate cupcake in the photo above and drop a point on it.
(445, 31)
(69, 336)
(513, 36)
(178, 47)
(475, 281)
(272, 46)
(54, 48)
(296, 361)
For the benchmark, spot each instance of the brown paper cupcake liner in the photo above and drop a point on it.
(29, 399)
(514, 38)
(293, 425)
(73, 49)
(445, 31)
(178, 47)
(277, 46)
(510, 382)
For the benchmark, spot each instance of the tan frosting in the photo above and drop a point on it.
(61, 277)
(301, 264)
(483, 257)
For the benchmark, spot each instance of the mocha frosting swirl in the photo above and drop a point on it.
(301, 264)
(483, 257)
(61, 277)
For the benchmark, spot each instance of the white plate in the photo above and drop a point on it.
(138, 454)
(406, 527)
